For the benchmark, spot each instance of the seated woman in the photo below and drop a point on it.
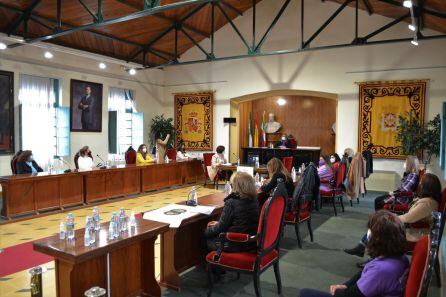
(409, 183)
(240, 214)
(385, 275)
(277, 170)
(325, 172)
(142, 156)
(429, 194)
(85, 162)
(217, 159)
(26, 163)
(335, 160)
(181, 152)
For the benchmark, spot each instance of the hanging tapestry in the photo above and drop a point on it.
(380, 105)
(193, 120)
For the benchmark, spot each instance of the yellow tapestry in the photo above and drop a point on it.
(380, 105)
(193, 120)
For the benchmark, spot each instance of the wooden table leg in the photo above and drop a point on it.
(72, 280)
(169, 277)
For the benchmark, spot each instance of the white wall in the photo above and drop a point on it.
(333, 71)
(29, 60)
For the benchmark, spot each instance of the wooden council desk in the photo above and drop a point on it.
(124, 266)
(183, 247)
(27, 193)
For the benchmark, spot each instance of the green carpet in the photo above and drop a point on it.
(317, 265)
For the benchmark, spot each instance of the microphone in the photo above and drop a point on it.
(100, 165)
(65, 162)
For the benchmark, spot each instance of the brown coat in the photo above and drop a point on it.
(420, 211)
(356, 176)
(161, 149)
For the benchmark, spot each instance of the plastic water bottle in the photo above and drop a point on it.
(61, 230)
(110, 230)
(257, 178)
(293, 174)
(166, 159)
(122, 220)
(257, 162)
(132, 219)
(114, 222)
(193, 195)
(87, 237)
(238, 161)
(90, 227)
(70, 226)
(96, 219)
(156, 155)
(228, 188)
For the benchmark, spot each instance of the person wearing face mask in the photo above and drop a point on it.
(85, 161)
(335, 160)
(325, 172)
(409, 183)
(26, 164)
(142, 156)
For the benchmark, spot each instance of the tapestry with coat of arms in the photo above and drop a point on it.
(380, 105)
(193, 120)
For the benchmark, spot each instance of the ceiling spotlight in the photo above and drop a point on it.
(132, 71)
(102, 65)
(281, 102)
(412, 27)
(407, 3)
(3, 46)
(414, 42)
(48, 55)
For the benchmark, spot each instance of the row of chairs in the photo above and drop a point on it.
(267, 253)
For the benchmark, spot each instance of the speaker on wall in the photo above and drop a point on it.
(229, 120)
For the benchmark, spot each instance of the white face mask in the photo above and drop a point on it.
(332, 160)
(144, 150)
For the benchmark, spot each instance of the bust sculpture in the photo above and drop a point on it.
(272, 126)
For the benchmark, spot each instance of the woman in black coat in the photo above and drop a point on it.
(276, 170)
(240, 214)
(26, 163)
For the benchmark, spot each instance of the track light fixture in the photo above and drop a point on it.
(3, 46)
(415, 41)
(412, 27)
(132, 71)
(48, 55)
(407, 3)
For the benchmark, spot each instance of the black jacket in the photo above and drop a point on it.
(367, 154)
(22, 167)
(308, 187)
(289, 185)
(239, 215)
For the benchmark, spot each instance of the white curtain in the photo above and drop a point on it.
(121, 100)
(38, 117)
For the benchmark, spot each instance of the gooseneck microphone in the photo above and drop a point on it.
(100, 165)
(65, 162)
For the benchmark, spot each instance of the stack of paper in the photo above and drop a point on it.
(174, 214)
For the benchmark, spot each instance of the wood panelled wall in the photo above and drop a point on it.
(309, 119)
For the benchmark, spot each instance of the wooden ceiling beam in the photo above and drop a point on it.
(167, 19)
(368, 7)
(24, 15)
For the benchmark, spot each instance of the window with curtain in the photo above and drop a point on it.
(125, 123)
(44, 126)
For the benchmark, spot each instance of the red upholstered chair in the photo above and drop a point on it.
(301, 214)
(171, 154)
(288, 163)
(418, 268)
(269, 234)
(14, 165)
(130, 157)
(207, 161)
(337, 188)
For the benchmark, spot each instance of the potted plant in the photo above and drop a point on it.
(419, 140)
(162, 125)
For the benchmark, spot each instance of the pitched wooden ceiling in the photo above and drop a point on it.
(125, 40)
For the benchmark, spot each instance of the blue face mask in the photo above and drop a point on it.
(321, 163)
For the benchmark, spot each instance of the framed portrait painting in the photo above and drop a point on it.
(6, 113)
(193, 120)
(85, 106)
